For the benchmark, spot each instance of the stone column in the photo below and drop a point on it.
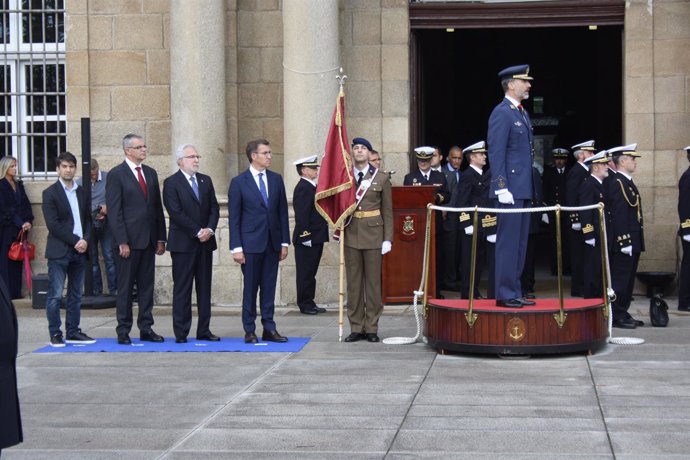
(197, 83)
(310, 63)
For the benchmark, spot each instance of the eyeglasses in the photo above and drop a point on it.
(138, 147)
(192, 157)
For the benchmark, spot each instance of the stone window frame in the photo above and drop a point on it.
(33, 119)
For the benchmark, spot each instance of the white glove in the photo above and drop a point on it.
(506, 198)
(590, 242)
(469, 230)
(627, 250)
(307, 243)
(686, 238)
(386, 247)
(491, 238)
(545, 218)
(577, 227)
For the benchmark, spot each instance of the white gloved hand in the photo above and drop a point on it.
(686, 238)
(307, 243)
(590, 242)
(627, 250)
(469, 230)
(545, 218)
(506, 198)
(491, 238)
(577, 227)
(386, 247)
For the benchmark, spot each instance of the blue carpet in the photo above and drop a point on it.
(294, 344)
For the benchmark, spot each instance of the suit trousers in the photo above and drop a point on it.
(623, 269)
(451, 251)
(577, 269)
(592, 277)
(364, 299)
(188, 267)
(512, 235)
(307, 261)
(138, 268)
(260, 272)
(467, 264)
(684, 278)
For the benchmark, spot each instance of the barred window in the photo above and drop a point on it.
(32, 84)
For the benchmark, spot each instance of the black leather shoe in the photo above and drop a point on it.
(624, 323)
(273, 336)
(150, 336)
(372, 337)
(123, 339)
(529, 296)
(320, 310)
(636, 321)
(355, 337)
(210, 337)
(181, 340)
(527, 303)
(510, 303)
(308, 311)
(250, 337)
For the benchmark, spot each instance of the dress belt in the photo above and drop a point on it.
(363, 214)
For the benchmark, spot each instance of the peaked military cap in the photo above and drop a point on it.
(587, 145)
(630, 150)
(362, 141)
(519, 72)
(601, 157)
(310, 161)
(560, 153)
(478, 147)
(687, 149)
(424, 153)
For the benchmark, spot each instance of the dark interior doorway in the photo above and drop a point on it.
(576, 93)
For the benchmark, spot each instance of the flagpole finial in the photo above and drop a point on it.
(341, 78)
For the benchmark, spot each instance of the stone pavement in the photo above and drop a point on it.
(342, 401)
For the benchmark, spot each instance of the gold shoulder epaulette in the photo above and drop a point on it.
(488, 221)
(305, 233)
(464, 217)
(685, 224)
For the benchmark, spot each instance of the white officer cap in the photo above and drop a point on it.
(587, 145)
(478, 147)
(311, 161)
(424, 153)
(629, 150)
(601, 157)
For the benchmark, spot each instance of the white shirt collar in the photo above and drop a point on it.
(309, 180)
(255, 172)
(64, 186)
(628, 176)
(598, 180)
(479, 170)
(515, 102)
(187, 176)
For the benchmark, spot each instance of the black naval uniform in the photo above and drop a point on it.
(591, 192)
(574, 179)
(554, 185)
(309, 225)
(684, 215)
(473, 190)
(452, 240)
(625, 206)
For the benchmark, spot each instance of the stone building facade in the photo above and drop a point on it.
(217, 73)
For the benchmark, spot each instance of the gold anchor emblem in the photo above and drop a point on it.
(516, 329)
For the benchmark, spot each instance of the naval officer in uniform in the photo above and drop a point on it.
(684, 233)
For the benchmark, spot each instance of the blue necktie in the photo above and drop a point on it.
(195, 187)
(262, 188)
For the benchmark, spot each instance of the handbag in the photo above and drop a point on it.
(658, 312)
(16, 251)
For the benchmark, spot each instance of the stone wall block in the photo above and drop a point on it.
(231, 64)
(346, 29)
(260, 29)
(404, 4)
(395, 64)
(362, 63)
(396, 98)
(248, 65)
(639, 22)
(395, 26)
(259, 100)
(99, 103)
(665, 206)
(273, 132)
(77, 68)
(76, 6)
(136, 32)
(257, 5)
(272, 65)
(78, 102)
(681, 162)
(395, 134)
(158, 67)
(156, 6)
(671, 57)
(76, 31)
(231, 101)
(638, 58)
(398, 162)
(117, 68)
(159, 138)
(365, 97)
(665, 168)
(141, 102)
(367, 127)
(644, 173)
(106, 136)
(637, 98)
(114, 6)
(366, 27)
(231, 28)
(639, 127)
(671, 19)
(668, 92)
(672, 130)
(361, 4)
(100, 32)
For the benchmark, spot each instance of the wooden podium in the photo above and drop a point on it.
(402, 267)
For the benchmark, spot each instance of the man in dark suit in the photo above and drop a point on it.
(511, 151)
(576, 175)
(311, 232)
(137, 223)
(259, 237)
(473, 190)
(191, 202)
(11, 432)
(452, 240)
(684, 233)
(69, 224)
(553, 185)
(627, 235)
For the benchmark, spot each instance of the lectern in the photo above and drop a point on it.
(402, 267)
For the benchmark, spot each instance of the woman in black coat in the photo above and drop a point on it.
(10, 419)
(15, 214)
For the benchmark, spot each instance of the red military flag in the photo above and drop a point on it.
(335, 191)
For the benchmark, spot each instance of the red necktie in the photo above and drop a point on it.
(521, 107)
(142, 182)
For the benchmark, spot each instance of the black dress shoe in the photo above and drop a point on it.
(636, 321)
(210, 337)
(123, 339)
(527, 303)
(529, 296)
(624, 323)
(510, 303)
(150, 336)
(273, 336)
(320, 310)
(372, 337)
(355, 337)
(250, 337)
(180, 339)
(308, 311)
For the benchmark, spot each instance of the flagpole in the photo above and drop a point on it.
(341, 296)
